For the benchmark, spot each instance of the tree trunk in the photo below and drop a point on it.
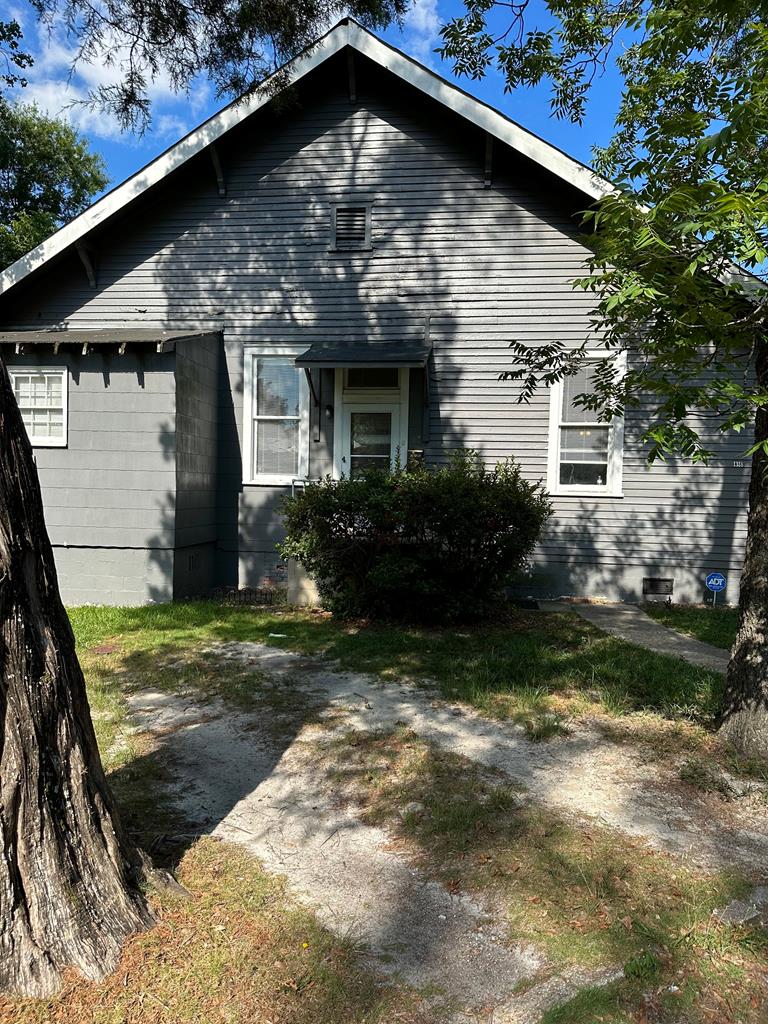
(744, 717)
(68, 878)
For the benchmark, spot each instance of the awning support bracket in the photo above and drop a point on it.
(315, 396)
(314, 412)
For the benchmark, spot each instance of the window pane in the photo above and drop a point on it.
(277, 447)
(583, 473)
(277, 387)
(578, 384)
(584, 444)
(371, 433)
(373, 377)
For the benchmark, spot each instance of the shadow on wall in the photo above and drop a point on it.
(255, 264)
(271, 280)
(694, 530)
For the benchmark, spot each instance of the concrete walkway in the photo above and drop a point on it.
(629, 622)
(259, 778)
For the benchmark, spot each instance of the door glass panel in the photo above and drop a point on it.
(370, 441)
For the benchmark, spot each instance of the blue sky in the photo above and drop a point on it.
(55, 88)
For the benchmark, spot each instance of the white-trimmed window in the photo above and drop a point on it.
(41, 395)
(276, 417)
(585, 455)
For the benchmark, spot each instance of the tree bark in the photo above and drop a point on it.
(69, 891)
(744, 717)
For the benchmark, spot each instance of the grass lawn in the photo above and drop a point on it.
(240, 951)
(716, 626)
(586, 894)
(534, 668)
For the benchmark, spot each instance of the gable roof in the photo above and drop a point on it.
(346, 33)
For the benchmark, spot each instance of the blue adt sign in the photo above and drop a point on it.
(715, 582)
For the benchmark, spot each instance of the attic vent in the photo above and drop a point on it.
(352, 227)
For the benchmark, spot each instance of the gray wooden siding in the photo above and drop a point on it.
(112, 488)
(486, 264)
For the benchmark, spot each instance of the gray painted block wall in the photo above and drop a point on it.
(487, 265)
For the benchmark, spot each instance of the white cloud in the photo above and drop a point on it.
(421, 30)
(61, 87)
(169, 126)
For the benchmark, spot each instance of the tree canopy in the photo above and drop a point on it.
(13, 60)
(235, 44)
(48, 175)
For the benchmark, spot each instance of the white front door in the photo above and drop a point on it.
(370, 437)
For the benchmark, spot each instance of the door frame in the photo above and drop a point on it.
(346, 400)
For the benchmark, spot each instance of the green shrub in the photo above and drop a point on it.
(416, 544)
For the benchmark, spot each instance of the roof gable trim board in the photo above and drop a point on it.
(345, 33)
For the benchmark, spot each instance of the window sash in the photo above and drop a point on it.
(284, 456)
(43, 406)
(569, 459)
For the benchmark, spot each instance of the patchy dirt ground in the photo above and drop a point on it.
(255, 778)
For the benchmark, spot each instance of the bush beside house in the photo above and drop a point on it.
(416, 544)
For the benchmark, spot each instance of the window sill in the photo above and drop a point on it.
(46, 443)
(274, 481)
(584, 492)
(349, 250)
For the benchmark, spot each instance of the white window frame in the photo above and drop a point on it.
(614, 483)
(47, 442)
(249, 414)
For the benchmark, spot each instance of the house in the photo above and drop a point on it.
(311, 282)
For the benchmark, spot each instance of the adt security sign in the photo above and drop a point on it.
(716, 583)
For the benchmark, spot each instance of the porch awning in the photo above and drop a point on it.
(161, 341)
(413, 354)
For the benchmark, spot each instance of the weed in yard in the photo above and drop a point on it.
(705, 776)
(545, 726)
(587, 894)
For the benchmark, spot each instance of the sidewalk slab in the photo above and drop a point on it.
(629, 622)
